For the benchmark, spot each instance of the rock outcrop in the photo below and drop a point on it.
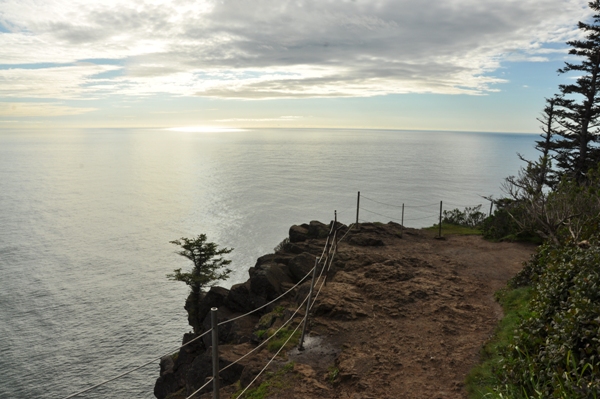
(271, 276)
(401, 315)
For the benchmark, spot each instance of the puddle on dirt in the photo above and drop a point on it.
(316, 353)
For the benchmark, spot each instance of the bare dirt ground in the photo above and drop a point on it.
(402, 320)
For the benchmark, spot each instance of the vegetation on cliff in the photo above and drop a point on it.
(549, 344)
(208, 267)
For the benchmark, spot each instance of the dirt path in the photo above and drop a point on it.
(400, 317)
(407, 319)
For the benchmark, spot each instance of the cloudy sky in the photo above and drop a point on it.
(481, 65)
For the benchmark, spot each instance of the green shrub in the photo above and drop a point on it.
(470, 217)
(276, 343)
(273, 383)
(535, 267)
(556, 351)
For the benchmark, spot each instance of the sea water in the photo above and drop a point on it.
(86, 217)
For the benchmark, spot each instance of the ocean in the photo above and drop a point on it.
(86, 217)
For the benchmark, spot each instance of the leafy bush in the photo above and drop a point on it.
(533, 269)
(498, 226)
(470, 217)
(556, 351)
(502, 225)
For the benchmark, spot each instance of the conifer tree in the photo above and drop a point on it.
(208, 267)
(578, 109)
(548, 121)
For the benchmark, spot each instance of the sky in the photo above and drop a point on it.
(466, 65)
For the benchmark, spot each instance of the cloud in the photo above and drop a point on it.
(22, 109)
(276, 48)
(65, 82)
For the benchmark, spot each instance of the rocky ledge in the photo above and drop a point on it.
(402, 315)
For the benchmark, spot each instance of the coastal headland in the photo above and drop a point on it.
(402, 315)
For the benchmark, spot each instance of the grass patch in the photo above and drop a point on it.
(272, 383)
(453, 229)
(276, 343)
(332, 374)
(484, 376)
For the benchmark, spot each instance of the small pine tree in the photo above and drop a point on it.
(208, 267)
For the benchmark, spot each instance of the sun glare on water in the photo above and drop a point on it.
(205, 129)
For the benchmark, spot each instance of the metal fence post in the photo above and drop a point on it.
(440, 233)
(312, 283)
(402, 223)
(357, 207)
(215, 351)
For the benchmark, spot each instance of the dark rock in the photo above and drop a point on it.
(292, 248)
(173, 372)
(234, 332)
(265, 259)
(273, 258)
(365, 241)
(167, 384)
(298, 233)
(188, 352)
(301, 293)
(167, 365)
(317, 229)
(241, 299)
(214, 298)
(192, 303)
(266, 280)
(201, 369)
(300, 265)
(249, 372)
(196, 376)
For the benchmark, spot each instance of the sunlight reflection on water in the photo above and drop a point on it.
(87, 217)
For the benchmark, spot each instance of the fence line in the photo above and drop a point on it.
(269, 338)
(270, 361)
(201, 388)
(137, 368)
(441, 212)
(327, 257)
(189, 342)
(424, 217)
(332, 252)
(327, 250)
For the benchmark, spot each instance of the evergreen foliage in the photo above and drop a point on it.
(555, 350)
(576, 149)
(208, 267)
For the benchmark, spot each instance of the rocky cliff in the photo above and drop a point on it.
(402, 315)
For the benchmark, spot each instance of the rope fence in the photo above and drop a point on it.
(423, 211)
(326, 259)
(323, 262)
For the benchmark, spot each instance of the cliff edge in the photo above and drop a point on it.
(402, 315)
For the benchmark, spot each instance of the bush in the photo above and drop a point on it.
(502, 225)
(535, 267)
(470, 217)
(556, 351)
